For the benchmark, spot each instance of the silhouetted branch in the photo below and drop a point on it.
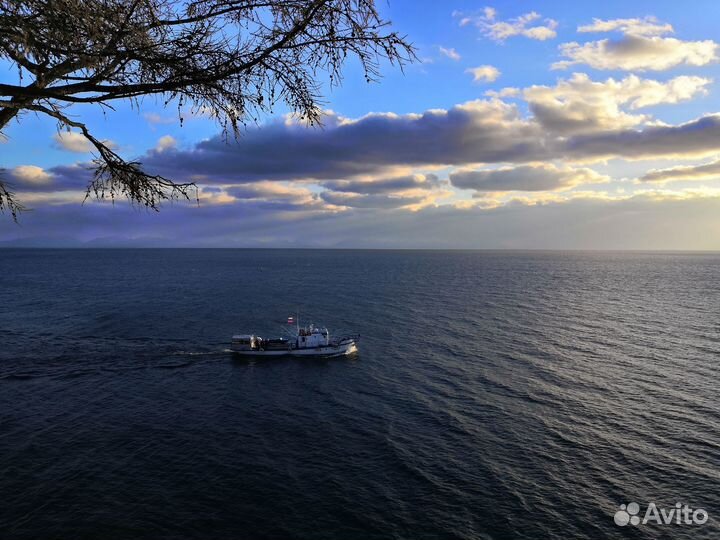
(232, 58)
(8, 202)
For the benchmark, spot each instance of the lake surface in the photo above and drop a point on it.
(496, 394)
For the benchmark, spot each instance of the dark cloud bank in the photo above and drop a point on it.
(339, 157)
(482, 132)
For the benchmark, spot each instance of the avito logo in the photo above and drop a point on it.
(677, 515)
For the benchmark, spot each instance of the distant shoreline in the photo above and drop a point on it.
(369, 249)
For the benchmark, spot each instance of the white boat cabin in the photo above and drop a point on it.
(310, 337)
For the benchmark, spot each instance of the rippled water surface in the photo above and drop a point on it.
(496, 395)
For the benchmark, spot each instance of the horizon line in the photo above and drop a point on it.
(250, 248)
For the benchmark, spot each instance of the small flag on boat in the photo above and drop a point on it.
(291, 320)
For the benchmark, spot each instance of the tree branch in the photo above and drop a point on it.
(8, 202)
(114, 176)
(235, 58)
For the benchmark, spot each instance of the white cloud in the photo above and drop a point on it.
(506, 92)
(31, 174)
(541, 177)
(484, 73)
(73, 141)
(271, 192)
(647, 26)
(451, 53)
(643, 47)
(581, 105)
(387, 185)
(154, 118)
(166, 142)
(524, 25)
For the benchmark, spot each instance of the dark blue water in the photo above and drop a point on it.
(496, 395)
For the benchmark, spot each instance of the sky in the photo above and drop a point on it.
(523, 125)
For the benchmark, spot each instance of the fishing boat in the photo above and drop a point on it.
(308, 341)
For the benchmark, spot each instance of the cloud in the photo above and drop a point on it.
(401, 192)
(154, 118)
(706, 171)
(544, 177)
(183, 113)
(384, 185)
(578, 120)
(484, 73)
(410, 192)
(652, 220)
(356, 200)
(60, 178)
(580, 105)
(499, 31)
(382, 193)
(601, 125)
(166, 142)
(503, 93)
(73, 141)
(76, 176)
(473, 132)
(452, 54)
(642, 48)
(383, 160)
(519, 165)
(697, 138)
(646, 26)
(32, 175)
(272, 191)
